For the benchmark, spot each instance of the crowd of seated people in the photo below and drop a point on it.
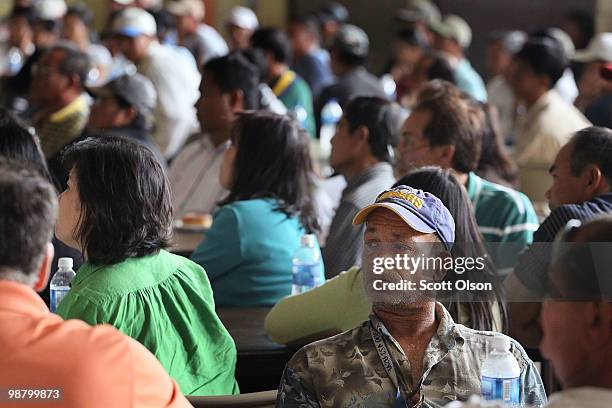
(108, 144)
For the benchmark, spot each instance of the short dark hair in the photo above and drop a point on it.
(349, 59)
(452, 123)
(26, 12)
(545, 56)
(273, 161)
(234, 72)
(580, 269)
(83, 13)
(28, 209)
(274, 41)
(383, 120)
(441, 68)
(592, 145)
(310, 24)
(413, 37)
(126, 208)
(19, 142)
(74, 63)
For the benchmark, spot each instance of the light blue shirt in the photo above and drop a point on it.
(247, 253)
(469, 81)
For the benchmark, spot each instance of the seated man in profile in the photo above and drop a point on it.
(410, 352)
(77, 365)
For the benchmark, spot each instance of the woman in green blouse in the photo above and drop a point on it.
(117, 211)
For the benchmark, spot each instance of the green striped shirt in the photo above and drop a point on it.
(504, 216)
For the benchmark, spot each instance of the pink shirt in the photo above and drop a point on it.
(92, 366)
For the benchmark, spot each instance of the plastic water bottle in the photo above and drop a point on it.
(307, 266)
(60, 283)
(501, 374)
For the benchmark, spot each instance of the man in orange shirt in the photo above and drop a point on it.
(44, 360)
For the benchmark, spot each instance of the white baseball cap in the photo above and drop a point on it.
(193, 8)
(243, 17)
(599, 49)
(454, 27)
(124, 2)
(133, 21)
(50, 9)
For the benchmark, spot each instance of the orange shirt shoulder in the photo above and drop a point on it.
(91, 366)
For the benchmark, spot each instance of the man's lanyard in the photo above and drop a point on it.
(389, 366)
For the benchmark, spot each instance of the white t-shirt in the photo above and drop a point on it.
(176, 78)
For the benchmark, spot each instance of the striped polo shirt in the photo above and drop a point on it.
(504, 216)
(533, 264)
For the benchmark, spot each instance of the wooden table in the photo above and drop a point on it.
(261, 361)
(185, 242)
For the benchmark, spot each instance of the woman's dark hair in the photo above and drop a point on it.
(495, 162)
(273, 161)
(468, 244)
(126, 208)
(19, 142)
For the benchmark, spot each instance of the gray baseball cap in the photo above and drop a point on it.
(135, 89)
(352, 40)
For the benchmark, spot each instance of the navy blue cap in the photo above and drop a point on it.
(419, 209)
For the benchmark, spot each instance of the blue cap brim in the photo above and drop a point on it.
(409, 217)
(129, 32)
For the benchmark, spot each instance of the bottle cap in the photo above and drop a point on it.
(500, 343)
(65, 263)
(307, 240)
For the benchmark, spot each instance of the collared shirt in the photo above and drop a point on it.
(346, 370)
(62, 127)
(469, 81)
(541, 132)
(532, 268)
(175, 76)
(503, 216)
(194, 177)
(345, 241)
(91, 366)
(165, 302)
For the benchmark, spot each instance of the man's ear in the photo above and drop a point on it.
(236, 100)
(600, 326)
(45, 268)
(129, 114)
(445, 155)
(361, 135)
(593, 180)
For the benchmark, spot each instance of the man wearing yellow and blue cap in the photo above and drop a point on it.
(409, 352)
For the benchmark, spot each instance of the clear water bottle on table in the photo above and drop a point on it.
(307, 265)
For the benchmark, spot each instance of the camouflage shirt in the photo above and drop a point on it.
(346, 370)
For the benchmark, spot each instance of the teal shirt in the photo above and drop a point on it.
(165, 302)
(469, 81)
(247, 253)
(505, 217)
(298, 94)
